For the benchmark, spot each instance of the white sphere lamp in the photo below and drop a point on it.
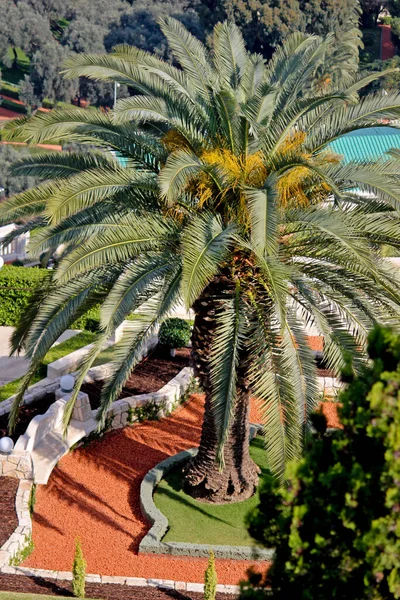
(1, 262)
(6, 445)
(67, 383)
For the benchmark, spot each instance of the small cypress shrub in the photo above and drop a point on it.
(78, 571)
(210, 579)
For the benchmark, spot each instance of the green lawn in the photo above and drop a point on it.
(74, 343)
(192, 521)
(105, 356)
(15, 596)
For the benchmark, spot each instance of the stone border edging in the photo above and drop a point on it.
(19, 538)
(170, 584)
(152, 544)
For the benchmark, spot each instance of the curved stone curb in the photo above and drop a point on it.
(18, 540)
(152, 544)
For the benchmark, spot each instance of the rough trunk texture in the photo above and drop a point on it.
(204, 478)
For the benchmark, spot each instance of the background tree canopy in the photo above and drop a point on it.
(53, 29)
(13, 184)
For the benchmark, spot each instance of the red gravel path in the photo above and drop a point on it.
(94, 493)
(6, 114)
(388, 49)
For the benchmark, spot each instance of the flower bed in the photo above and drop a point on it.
(26, 414)
(149, 376)
(8, 516)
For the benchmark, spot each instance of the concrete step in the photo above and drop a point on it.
(50, 449)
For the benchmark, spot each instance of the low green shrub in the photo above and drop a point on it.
(32, 499)
(175, 333)
(78, 571)
(210, 579)
(386, 20)
(17, 286)
(89, 321)
(396, 30)
(47, 103)
(10, 105)
(336, 526)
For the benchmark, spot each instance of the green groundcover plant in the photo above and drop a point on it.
(336, 526)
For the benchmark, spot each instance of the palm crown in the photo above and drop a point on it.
(229, 199)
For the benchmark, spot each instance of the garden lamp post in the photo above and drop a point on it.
(6, 445)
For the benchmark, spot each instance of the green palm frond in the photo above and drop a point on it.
(230, 55)
(112, 246)
(129, 350)
(90, 187)
(190, 53)
(180, 167)
(264, 217)
(62, 164)
(205, 245)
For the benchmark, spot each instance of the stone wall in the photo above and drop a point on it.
(121, 412)
(34, 392)
(17, 465)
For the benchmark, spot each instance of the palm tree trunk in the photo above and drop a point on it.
(205, 479)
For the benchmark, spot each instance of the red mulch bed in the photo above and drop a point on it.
(8, 516)
(26, 414)
(149, 376)
(39, 585)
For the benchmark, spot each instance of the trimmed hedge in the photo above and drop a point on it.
(19, 108)
(17, 285)
(9, 90)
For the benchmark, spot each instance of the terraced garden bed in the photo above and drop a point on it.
(155, 371)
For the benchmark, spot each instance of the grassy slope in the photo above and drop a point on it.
(192, 521)
(74, 343)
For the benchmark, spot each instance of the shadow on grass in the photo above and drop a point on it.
(175, 479)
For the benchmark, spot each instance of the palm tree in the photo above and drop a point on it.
(230, 199)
